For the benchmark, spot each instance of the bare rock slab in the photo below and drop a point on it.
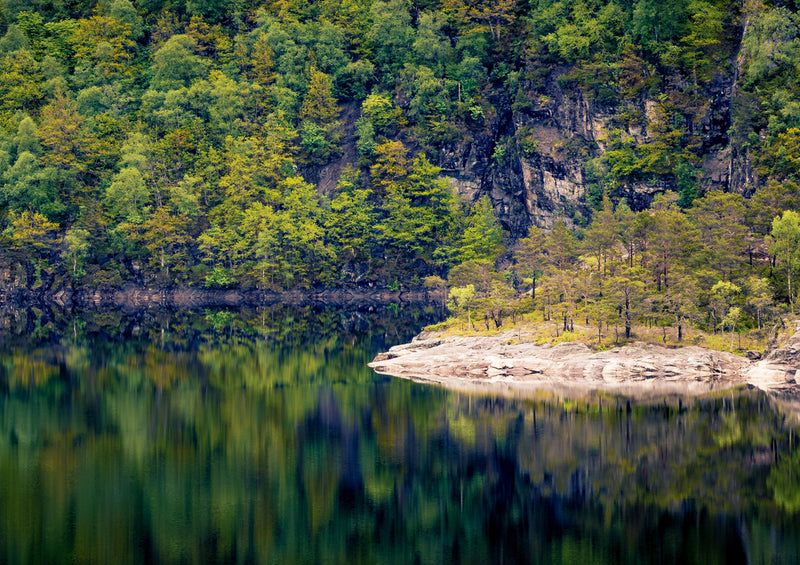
(636, 369)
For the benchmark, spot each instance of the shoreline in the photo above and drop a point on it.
(131, 296)
(500, 363)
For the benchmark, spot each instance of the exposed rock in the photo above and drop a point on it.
(637, 369)
(779, 368)
(540, 185)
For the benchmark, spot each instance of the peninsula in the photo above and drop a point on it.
(504, 361)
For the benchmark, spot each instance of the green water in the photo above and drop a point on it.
(260, 436)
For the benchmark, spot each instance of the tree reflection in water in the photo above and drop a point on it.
(261, 437)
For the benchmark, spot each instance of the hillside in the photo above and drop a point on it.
(289, 145)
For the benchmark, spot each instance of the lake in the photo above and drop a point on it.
(260, 436)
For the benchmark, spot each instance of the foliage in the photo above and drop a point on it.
(292, 144)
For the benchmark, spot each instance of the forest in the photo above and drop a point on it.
(297, 144)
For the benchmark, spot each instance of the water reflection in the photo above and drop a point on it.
(261, 437)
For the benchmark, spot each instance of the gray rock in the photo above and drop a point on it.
(638, 368)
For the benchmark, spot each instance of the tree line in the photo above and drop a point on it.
(727, 265)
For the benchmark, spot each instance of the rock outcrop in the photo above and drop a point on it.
(497, 362)
(531, 160)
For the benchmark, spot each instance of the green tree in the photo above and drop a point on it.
(13, 40)
(673, 238)
(784, 243)
(687, 183)
(769, 41)
(32, 232)
(27, 138)
(602, 236)
(300, 233)
(259, 241)
(418, 205)
(391, 34)
(479, 16)
(218, 245)
(627, 290)
(351, 222)
(76, 241)
(656, 23)
(560, 246)
(529, 255)
(680, 298)
(164, 237)
(320, 142)
(391, 165)
(379, 111)
(20, 83)
(759, 297)
(262, 61)
(27, 186)
(125, 12)
(175, 64)
(66, 143)
(128, 196)
(102, 45)
(723, 296)
(483, 236)
(462, 298)
(226, 108)
(319, 104)
(704, 39)
(719, 217)
(771, 199)
(481, 274)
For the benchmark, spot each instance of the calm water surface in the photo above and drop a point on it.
(260, 436)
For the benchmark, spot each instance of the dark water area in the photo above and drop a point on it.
(260, 436)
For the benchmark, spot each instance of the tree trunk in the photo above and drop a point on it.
(627, 317)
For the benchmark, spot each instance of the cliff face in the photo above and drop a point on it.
(532, 161)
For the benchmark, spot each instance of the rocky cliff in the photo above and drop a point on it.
(532, 160)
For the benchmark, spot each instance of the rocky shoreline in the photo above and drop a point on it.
(136, 297)
(501, 362)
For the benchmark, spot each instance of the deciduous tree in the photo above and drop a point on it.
(784, 243)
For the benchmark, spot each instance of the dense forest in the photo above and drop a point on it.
(293, 144)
